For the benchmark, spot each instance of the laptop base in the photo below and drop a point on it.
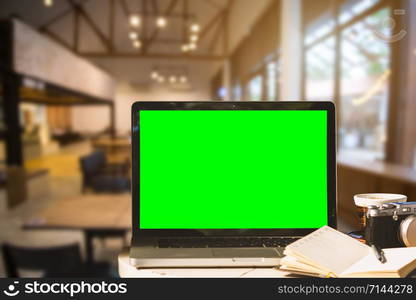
(150, 257)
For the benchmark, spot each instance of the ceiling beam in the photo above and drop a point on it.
(213, 3)
(75, 33)
(216, 37)
(151, 55)
(145, 22)
(220, 18)
(59, 17)
(226, 28)
(154, 13)
(78, 8)
(185, 8)
(167, 12)
(111, 22)
(171, 15)
(125, 8)
(217, 17)
(155, 7)
(167, 41)
(57, 39)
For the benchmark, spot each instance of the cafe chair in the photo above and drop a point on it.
(60, 261)
(100, 176)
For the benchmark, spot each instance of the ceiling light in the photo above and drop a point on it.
(133, 35)
(195, 27)
(161, 22)
(194, 38)
(48, 2)
(192, 46)
(135, 20)
(161, 79)
(183, 79)
(172, 79)
(154, 75)
(137, 44)
(185, 48)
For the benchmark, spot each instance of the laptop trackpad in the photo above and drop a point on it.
(254, 252)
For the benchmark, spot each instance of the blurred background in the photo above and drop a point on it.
(70, 70)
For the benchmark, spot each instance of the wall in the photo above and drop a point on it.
(49, 61)
(243, 15)
(90, 119)
(93, 119)
(406, 129)
(134, 84)
(127, 93)
(258, 40)
(262, 41)
(59, 118)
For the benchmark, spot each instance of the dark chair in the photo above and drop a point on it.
(61, 261)
(67, 138)
(101, 176)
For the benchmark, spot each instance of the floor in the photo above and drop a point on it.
(64, 180)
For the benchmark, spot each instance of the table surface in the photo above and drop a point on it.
(379, 168)
(128, 271)
(85, 212)
(109, 142)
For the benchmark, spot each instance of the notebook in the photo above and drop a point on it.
(327, 252)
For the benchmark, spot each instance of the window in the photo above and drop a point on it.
(255, 87)
(320, 58)
(364, 91)
(221, 93)
(353, 8)
(237, 93)
(272, 81)
(320, 71)
(321, 27)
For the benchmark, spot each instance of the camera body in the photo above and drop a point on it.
(391, 225)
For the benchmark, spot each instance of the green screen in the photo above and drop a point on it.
(228, 169)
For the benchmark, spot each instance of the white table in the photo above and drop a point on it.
(128, 271)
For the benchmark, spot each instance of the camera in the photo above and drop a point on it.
(391, 225)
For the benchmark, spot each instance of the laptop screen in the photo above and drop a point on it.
(233, 169)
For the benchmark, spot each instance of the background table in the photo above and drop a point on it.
(113, 145)
(95, 215)
(128, 271)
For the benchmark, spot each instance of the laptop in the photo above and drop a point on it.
(229, 184)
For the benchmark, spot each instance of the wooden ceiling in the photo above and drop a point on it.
(107, 22)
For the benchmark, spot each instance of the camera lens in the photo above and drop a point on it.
(407, 231)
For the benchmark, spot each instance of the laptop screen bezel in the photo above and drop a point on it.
(302, 105)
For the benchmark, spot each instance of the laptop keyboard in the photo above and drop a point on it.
(224, 242)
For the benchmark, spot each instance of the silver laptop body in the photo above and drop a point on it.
(175, 248)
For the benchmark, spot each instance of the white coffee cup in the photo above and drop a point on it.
(365, 200)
